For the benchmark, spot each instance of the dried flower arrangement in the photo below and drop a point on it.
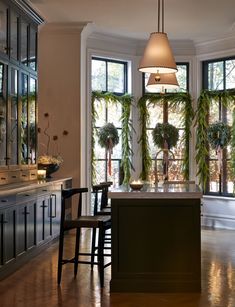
(47, 158)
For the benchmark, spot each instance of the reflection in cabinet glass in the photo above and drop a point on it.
(3, 114)
(33, 48)
(24, 43)
(24, 120)
(14, 35)
(3, 31)
(32, 121)
(13, 129)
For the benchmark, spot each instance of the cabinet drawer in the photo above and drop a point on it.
(7, 200)
(32, 174)
(24, 175)
(4, 178)
(26, 195)
(44, 190)
(13, 176)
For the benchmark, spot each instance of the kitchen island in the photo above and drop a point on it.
(156, 241)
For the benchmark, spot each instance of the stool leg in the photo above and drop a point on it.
(78, 231)
(101, 255)
(60, 256)
(93, 247)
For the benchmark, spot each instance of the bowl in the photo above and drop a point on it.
(136, 186)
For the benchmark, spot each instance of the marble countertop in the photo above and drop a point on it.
(155, 191)
(14, 188)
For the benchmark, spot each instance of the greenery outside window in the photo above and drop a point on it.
(108, 75)
(219, 76)
(166, 112)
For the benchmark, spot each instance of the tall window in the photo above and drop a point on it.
(165, 112)
(219, 75)
(108, 76)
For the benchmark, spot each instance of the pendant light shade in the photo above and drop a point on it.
(162, 82)
(158, 56)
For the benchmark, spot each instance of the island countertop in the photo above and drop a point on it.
(156, 191)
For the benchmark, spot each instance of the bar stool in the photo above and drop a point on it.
(101, 208)
(102, 223)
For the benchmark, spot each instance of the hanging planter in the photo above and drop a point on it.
(165, 133)
(219, 135)
(108, 138)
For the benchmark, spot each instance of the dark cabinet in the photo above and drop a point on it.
(8, 234)
(18, 90)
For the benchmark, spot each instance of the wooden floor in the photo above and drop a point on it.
(35, 284)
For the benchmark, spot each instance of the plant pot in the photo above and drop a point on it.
(49, 168)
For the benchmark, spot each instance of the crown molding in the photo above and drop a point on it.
(63, 27)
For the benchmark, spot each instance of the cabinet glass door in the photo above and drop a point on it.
(14, 35)
(3, 115)
(24, 43)
(3, 28)
(32, 121)
(33, 48)
(24, 119)
(13, 129)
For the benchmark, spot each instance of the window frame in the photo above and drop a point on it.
(223, 189)
(125, 87)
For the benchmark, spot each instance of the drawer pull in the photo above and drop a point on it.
(45, 190)
(25, 212)
(4, 222)
(14, 176)
(23, 175)
(3, 178)
(4, 200)
(26, 194)
(33, 174)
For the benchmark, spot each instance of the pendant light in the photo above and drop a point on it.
(158, 56)
(162, 82)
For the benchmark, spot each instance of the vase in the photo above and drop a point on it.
(49, 168)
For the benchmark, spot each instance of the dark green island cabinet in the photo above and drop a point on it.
(29, 220)
(156, 241)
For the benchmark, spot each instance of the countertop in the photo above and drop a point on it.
(156, 191)
(14, 188)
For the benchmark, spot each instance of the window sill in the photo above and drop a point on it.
(219, 197)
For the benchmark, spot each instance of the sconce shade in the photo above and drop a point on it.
(162, 81)
(158, 56)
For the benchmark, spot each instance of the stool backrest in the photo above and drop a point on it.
(103, 189)
(68, 193)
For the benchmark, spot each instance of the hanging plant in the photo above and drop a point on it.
(165, 133)
(108, 138)
(219, 135)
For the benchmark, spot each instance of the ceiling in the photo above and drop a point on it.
(200, 20)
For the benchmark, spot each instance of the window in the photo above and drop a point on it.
(219, 75)
(181, 75)
(166, 112)
(108, 76)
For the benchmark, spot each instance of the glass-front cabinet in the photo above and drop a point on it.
(18, 90)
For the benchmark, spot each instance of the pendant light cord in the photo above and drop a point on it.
(162, 16)
(159, 15)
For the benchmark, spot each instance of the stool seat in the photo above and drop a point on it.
(88, 222)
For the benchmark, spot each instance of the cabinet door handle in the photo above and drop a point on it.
(51, 197)
(3, 222)
(24, 213)
(43, 206)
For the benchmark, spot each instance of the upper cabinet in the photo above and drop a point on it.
(18, 89)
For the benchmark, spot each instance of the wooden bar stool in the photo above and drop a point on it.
(102, 223)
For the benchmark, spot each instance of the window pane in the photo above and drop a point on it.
(100, 109)
(117, 150)
(99, 151)
(3, 31)
(215, 76)
(32, 50)
(114, 114)
(155, 114)
(98, 75)
(178, 150)
(24, 120)
(14, 117)
(181, 76)
(24, 43)
(175, 115)
(116, 77)
(100, 171)
(115, 175)
(230, 74)
(14, 35)
(214, 112)
(214, 176)
(230, 178)
(175, 170)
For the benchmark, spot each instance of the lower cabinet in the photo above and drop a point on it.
(28, 220)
